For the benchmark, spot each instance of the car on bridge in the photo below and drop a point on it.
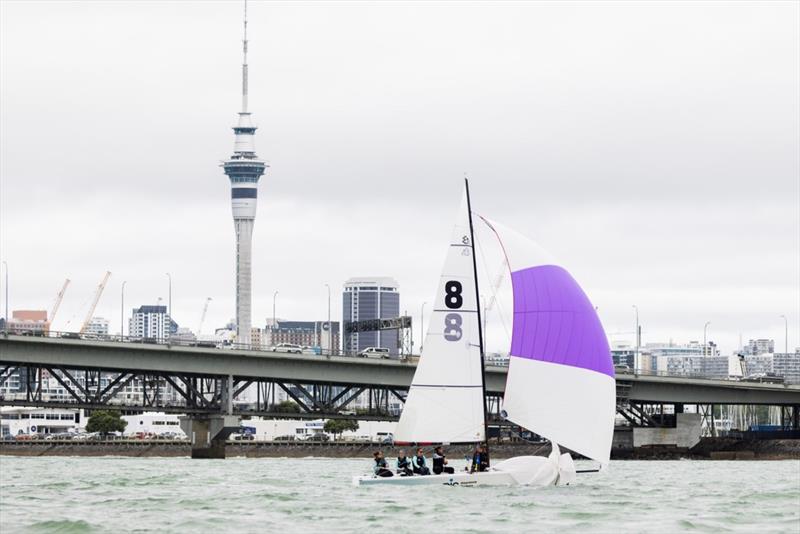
(764, 378)
(375, 352)
(291, 348)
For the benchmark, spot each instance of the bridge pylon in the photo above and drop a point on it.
(208, 433)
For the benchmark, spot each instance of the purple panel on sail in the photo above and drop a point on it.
(555, 322)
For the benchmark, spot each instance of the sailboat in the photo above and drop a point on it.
(560, 381)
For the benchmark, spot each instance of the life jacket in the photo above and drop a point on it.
(479, 462)
(380, 462)
(420, 461)
(438, 463)
(403, 463)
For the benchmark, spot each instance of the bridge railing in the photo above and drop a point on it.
(620, 371)
(188, 342)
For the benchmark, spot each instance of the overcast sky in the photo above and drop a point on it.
(651, 147)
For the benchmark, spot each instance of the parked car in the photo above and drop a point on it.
(375, 352)
(59, 436)
(284, 438)
(319, 436)
(291, 348)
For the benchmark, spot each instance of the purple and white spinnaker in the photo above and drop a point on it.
(561, 376)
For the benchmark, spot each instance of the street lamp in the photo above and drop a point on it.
(705, 336)
(169, 302)
(785, 329)
(6, 316)
(330, 327)
(122, 311)
(636, 340)
(274, 296)
(422, 326)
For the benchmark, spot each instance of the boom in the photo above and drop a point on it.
(57, 303)
(97, 295)
(203, 316)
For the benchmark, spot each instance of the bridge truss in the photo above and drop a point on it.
(129, 391)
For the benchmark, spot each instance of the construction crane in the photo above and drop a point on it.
(57, 303)
(97, 295)
(203, 315)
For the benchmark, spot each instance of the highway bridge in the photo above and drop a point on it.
(205, 381)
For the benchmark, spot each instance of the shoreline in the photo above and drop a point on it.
(707, 449)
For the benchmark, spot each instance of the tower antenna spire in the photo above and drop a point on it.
(244, 62)
(244, 170)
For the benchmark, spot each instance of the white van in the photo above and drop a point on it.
(375, 352)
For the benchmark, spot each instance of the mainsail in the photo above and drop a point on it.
(445, 403)
(561, 377)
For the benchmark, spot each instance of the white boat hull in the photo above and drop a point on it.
(538, 471)
(488, 478)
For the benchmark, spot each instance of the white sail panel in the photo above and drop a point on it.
(445, 401)
(568, 405)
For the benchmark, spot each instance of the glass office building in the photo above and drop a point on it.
(370, 298)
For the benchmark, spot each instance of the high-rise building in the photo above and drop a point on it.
(151, 322)
(624, 356)
(97, 326)
(757, 364)
(370, 298)
(244, 170)
(760, 346)
(787, 366)
(30, 322)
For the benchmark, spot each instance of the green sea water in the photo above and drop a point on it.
(282, 495)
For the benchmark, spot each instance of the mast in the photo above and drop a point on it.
(480, 327)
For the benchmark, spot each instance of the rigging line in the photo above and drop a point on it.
(542, 446)
(502, 246)
(495, 300)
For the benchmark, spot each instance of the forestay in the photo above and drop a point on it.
(561, 377)
(445, 401)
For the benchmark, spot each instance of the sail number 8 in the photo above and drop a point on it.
(453, 300)
(452, 295)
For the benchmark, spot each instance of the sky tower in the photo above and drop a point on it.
(244, 170)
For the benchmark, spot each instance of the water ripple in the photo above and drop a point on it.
(69, 494)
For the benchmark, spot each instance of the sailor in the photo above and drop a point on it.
(381, 468)
(480, 460)
(418, 463)
(440, 462)
(403, 464)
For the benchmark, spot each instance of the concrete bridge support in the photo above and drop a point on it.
(208, 433)
(685, 434)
